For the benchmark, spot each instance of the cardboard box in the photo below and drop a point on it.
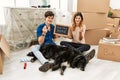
(113, 21)
(112, 28)
(116, 35)
(108, 51)
(101, 6)
(95, 20)
(4, 50)
(116, 13)
(93, 36)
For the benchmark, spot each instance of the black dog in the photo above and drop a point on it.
(62, 54)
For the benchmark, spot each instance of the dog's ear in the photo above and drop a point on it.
(77, 58)
(74, 62)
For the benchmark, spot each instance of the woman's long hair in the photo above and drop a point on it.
(74, 24)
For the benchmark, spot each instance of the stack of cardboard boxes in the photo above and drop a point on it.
(95, 13)
(115, 18)
(95, 18)
(107, 50)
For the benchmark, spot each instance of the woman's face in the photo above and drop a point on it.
(49, 19)
(77, 20)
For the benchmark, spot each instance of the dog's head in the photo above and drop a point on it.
(79, 62)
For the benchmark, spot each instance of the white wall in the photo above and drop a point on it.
(115, 4)
(22, 3)
(70, 5)
(74, 5)
(55, 4)
(63, 4)
(4, 3)
(39, 2)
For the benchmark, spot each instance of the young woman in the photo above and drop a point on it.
(77, 34)
(77, 30)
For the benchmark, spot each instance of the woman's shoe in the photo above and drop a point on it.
(90, 55)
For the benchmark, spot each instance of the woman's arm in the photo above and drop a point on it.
(70, 33)
(83, 34)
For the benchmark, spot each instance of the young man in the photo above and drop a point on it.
(45, 32)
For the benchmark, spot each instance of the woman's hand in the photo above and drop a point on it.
(81, 29)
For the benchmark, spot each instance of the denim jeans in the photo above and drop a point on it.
(77, 46)
(38, 54)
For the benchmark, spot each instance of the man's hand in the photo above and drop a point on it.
(44, 30)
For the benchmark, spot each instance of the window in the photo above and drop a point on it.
(11, 3)
(4, 3)
(55, 4)
(115, 4)
(59, 4)
(22, 3)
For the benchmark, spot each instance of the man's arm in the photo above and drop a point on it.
(42, 37)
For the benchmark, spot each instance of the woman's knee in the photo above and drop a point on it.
(63, 42)
(88, 46)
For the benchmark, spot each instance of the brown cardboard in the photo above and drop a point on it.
(93, 36)
(116, 12)
(95, 20)
(113, 21)
(116, 35)
(108, 51)
(1, 61)
(101, 6)
(112, 28)
(4, 49)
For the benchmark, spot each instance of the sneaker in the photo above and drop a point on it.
(45, 67)
(90, 55)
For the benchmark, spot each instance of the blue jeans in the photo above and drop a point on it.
(77, 46)
(38, 54)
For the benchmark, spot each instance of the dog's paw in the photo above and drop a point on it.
(30, 54)
(82, 69)
(55, 67)
(33, 59)
(62, 70)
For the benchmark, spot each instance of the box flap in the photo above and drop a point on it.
(4, 46)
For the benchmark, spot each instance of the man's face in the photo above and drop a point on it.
(49, 19)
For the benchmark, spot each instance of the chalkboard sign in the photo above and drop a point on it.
(61, 29)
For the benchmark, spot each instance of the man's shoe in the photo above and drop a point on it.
(90, 55)
(45, 67)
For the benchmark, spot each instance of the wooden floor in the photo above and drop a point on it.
(96, 69)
